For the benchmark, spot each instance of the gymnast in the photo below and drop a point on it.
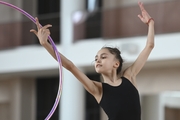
(117, 95)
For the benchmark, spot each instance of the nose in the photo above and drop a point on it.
(98, 60)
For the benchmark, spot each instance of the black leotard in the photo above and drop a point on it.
(121, 102)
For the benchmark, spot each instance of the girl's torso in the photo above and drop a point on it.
(121, 101)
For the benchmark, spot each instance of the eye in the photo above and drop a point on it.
(103, 57)
(95, 59)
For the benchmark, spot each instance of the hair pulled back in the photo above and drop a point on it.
(117, 53)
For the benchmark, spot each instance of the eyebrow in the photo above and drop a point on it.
(101, 54)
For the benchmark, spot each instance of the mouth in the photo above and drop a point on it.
(98, 65)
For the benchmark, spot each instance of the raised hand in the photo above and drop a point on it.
(144, 16)
(42, 32)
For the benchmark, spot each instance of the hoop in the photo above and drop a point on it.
(57, 56)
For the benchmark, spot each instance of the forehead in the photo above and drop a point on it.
(103, 51)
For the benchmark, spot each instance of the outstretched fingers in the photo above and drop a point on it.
(37, 24)
(142, 9)
(45, 29)
(40, 28)
(46, 26)
(140, 16)
(144, 16)
(33, 31)
(141, 6)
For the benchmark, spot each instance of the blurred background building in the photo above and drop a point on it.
(29, 75)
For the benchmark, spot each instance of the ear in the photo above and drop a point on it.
(116, 65)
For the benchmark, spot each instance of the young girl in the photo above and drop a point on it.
(118, 96)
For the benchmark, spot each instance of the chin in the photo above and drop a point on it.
(98, 71)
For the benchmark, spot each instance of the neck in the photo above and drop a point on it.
(110, 78)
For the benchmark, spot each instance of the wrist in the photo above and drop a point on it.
(150, 21)
(44, 42)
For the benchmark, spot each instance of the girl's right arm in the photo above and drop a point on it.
(92, 87)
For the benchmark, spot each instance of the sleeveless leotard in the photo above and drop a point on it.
(121, 102)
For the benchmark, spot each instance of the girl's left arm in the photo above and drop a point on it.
(135, 68)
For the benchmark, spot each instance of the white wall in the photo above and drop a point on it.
(35, 58)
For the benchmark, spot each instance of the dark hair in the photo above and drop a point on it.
(117, 53)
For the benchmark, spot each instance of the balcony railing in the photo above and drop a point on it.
(17, 33)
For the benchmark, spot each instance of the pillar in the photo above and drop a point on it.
(72, 99)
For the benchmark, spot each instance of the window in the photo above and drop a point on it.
(48, 6)
(46, 91)
(87, 24)
(49, 13)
